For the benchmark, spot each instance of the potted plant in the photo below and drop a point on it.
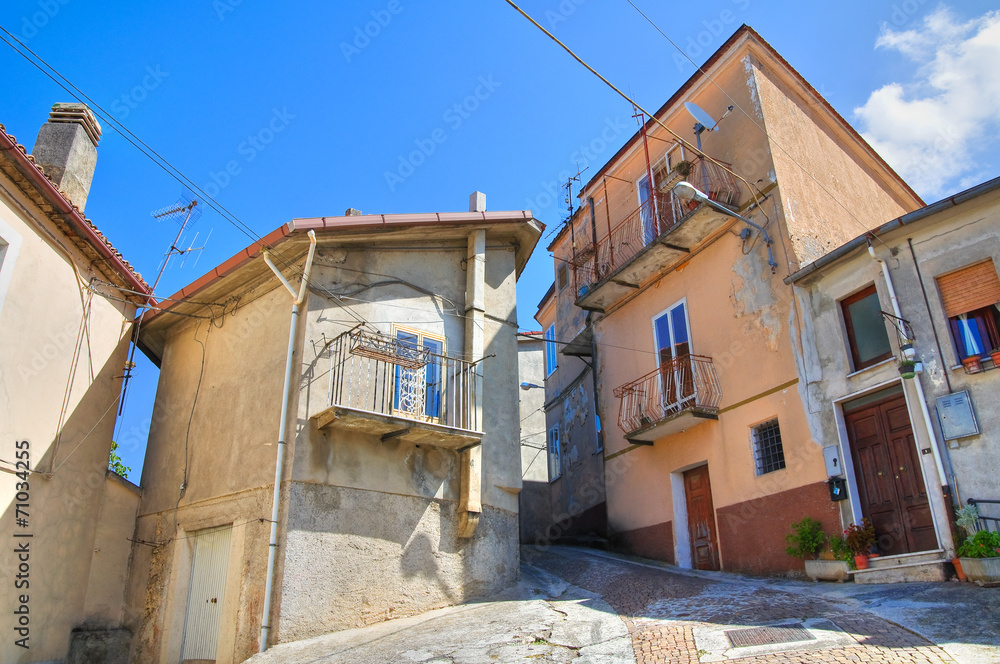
(907, 369)
(807, 541)
(965, 519)
(859, 539)
(973, 364)
(683, 167)
(995, 356)
(980, 557)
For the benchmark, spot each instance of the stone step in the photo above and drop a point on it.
(906, 559)
(938, 570)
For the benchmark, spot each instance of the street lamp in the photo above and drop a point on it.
(531, 386)
(688, 192)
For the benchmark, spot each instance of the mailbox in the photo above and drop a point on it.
(838, 488)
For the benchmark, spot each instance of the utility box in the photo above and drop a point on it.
(834, 465)
(838, 488)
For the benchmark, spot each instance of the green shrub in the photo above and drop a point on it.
(806, 538)
(983, 544)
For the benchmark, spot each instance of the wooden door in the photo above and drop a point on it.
(890, 482)
(701, 519)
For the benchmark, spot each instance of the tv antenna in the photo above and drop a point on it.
(703, 121)
(569, 188)
(186, 209)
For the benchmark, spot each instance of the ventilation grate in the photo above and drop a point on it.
(765, 636)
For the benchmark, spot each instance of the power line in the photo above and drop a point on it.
(635, 104)
(753, 120)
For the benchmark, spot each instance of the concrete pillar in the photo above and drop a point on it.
(470, 502)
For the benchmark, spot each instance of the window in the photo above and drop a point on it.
(971, 298)
(10, 245)
(551, 361)
(417, 392)
(600, 432)
(673, 355)
(767, 451)
(866, 333)
(563, 274)
(555, 454)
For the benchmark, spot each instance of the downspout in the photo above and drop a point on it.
(942, 476)
(299, 298)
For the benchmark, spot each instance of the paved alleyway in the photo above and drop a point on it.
(590, 607)
(676, 616)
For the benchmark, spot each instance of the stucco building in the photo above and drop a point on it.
(67, 302)
(397, 464)
(921, 287)
(709, 456)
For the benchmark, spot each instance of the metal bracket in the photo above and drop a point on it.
(394, 434)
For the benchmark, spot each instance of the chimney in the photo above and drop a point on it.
(352, 212)
(66, 148)
(477, 202)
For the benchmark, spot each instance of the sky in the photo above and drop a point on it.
(392, 106)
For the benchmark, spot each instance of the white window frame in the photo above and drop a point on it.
(687, 323)
(551, 359)
(10, 247)
(554, 453)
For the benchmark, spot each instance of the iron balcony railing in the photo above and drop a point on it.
(645, 224)
(684, 383)
(986, 522)
(378, 374)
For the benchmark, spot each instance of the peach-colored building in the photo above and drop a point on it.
(709, 456)
(67, 303)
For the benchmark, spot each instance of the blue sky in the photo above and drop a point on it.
(306, 109)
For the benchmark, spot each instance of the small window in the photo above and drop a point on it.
(555, 454)
(551, 361)
(866, 333)
(600, 432)
(767, 451)
(563, 274)
(971, 298)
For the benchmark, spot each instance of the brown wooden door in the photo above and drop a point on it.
(890, 483)
(701, 519)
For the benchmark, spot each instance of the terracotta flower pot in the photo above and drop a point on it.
(973, 365)
(957, 562)
(861, 562)
(996, 359)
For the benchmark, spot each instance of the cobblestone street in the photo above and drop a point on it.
(666, 612)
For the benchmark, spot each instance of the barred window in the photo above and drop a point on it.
(767, 450)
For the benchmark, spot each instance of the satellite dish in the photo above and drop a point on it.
(699, 114)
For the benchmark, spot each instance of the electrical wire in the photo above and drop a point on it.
(684, 142)
(755, 123)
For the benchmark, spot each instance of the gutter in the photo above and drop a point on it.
(62, 206)
(299, 298)
(917, 215)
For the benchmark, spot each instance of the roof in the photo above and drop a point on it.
(519, 227)
(909, 218)
(20, 167)
(742, 32)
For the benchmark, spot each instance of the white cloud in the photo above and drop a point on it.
(933, 129)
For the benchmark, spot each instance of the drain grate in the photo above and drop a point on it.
(765, 636)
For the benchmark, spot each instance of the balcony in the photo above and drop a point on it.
(382, 386)
(660, 232)
(677, 396)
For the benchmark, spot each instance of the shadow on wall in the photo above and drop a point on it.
(61, 516)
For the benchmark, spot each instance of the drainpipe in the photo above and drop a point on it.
(470, 505)
(942, 477)
(298, 298)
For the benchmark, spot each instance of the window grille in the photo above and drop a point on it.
(768, 452)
